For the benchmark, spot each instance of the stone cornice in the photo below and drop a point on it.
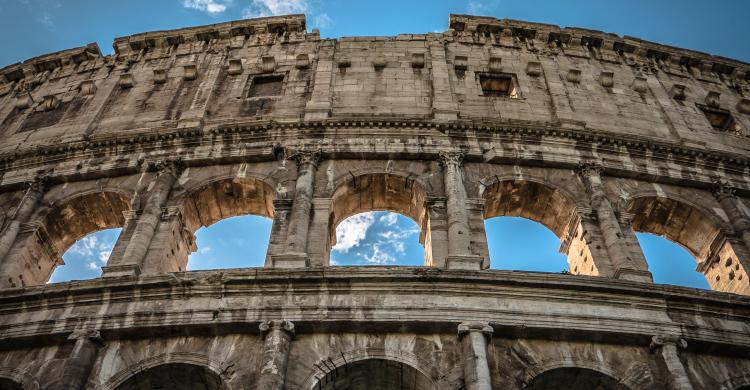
(254, 142)
(600, 40)
(128, 298)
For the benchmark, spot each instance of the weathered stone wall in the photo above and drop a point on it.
(593, 135)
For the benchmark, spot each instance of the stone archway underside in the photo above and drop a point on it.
(228, 198)
(375, 374)
(174, 376)
(571, 378)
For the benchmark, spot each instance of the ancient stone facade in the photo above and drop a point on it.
(593, 135)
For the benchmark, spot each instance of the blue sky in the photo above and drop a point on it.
(34, 27)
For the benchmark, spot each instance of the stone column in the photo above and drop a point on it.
(438, 230)
(473, 337)
(669, 347)
(459, 233)
(147, 222)
(277, 338)
(443, 105)
(623, 264)
(279, 227)
(22, 214)
(296, 255)
(78, 365)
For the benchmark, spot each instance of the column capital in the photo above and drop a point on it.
(87, 334)
(281, 325)
(304, 157)
(283, 204)
(722, 189)
(465, 328)
(589, 169)
(659, 341)
(38, 185)
(451, 158)
(174, 167)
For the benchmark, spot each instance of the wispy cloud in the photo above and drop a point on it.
(482, 7)
(352, 231)
(262, 8)
(380, 256)
(323, 21)
(212, 7)
(389, 219)
(91, 248)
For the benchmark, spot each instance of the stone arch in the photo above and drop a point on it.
(554, 207)
(205, 203)
(41, 244)
(427, 370)
(697, 229)
(211, 367)
(380, 192)
(636, 376)
(10, 377)
(574, 378)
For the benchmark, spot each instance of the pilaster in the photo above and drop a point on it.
(668, 347)
(623, 264)
(295, 254)
(147, 223)
(473, 337)
(277, 339)
(78, 365)
(460, 255)
(26, 207)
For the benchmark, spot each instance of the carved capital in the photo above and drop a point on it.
(87, 334)
(662, 340)
(174, 167)
(304, 157)
(465, 328)
(722, 189)
(454, 159)
(282, 325)
(588, 169)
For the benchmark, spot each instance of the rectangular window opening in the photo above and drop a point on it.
(266, 86)
(721, 120)
(498, 85)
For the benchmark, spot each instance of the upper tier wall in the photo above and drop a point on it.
(271, 68)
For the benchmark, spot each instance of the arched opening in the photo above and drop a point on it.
(233, 242)
(231, 220)
(7, 384)
(374, 374)
(538, 212)
(380, 192)
(574, 378)
(37, 252)
(699, 233)
(377, 238)
(670, 263)
(174, 376)
(517, 243)
(86, 257)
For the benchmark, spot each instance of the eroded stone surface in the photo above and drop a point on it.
(593, 135)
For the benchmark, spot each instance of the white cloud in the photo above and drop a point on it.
(85, 246)
(352, 231)
(262, 8)
(104, 255)
(204, 250)
(92, 266)
(389, 219)
(482, 7)
(393, 235)
(323, 21)
(379, 256)
(213, 7)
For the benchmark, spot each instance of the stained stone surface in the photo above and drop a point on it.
(595, 136)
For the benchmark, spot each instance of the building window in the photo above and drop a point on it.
(721, 120)
(261, 86)
(498, 85)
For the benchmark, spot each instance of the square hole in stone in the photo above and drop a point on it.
(721, 120)
(498, 85)
(266, 86)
